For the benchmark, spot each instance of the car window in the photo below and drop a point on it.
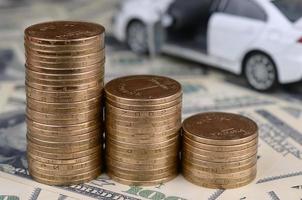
(292, 9)
(245, 8)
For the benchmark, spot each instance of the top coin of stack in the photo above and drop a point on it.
(143, 120)
(219, 150)
(64, 83)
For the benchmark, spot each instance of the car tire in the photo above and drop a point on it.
(260, 72)
(137, 37)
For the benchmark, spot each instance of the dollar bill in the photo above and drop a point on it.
(280, 148)
(278, 115)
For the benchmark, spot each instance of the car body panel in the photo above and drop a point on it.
(230, 38)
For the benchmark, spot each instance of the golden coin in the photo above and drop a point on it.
(96, 43)
(64, 118)
(67, 97)
(142, 171)
(94, 112)
(218, 180)
(65, 169)
(81, 133)
(91, 58)
(34, 49)
(222, 169)
(141, 183)
(220, 128)
(137, 161)
(249, 150)
(149, 155)
(216, 158)
(143, 167)
(53, 88)
(147, 124)
(113, 116)
(59, 167)
(141, 176)
(63, 107)
(144, 107)
(165, 128)
(90, 155)
(67, 155)
(61, 77)
(67, 152)
(33, 166)
(68, 178)
(64, 144)
(143, 114)
(66, 68)
(210, 175)
(213, 164)
(37, 65)
(61, 97)
(62, 137)
(63, 32)
(86, 117)
(143, 90)
(65, 182)
(142, 150)
(48, 56)
(220, 148)
(235, 184)
(87, 126)
(61, 72)
(144, 146)
(55, 42)
(64, 82)
(146, 140)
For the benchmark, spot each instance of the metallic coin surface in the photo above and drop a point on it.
(62, 31)
(220, 148)
(220, 128)
(143, 89)
(218, 184)
(142, 183)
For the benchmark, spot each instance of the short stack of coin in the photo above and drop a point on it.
(219, 150)
(64, 83)
(143, 121)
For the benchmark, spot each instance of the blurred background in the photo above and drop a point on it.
(16, 15)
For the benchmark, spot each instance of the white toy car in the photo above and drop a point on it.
(261, 39)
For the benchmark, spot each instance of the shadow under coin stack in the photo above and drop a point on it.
(219, 150)
(143, 121)
(64, 83)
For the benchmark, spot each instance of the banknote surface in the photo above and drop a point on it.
(279, 115)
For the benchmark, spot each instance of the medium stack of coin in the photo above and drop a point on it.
(143, 121)
(64, 83)
(219, 150)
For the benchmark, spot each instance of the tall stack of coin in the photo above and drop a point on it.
(64, 83)
(219, 150)
(143, 121)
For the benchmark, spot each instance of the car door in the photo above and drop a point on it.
(232, 28)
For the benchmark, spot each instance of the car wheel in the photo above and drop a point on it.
(137, 37)
(260, 72)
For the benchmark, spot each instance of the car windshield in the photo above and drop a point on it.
(292, 9)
